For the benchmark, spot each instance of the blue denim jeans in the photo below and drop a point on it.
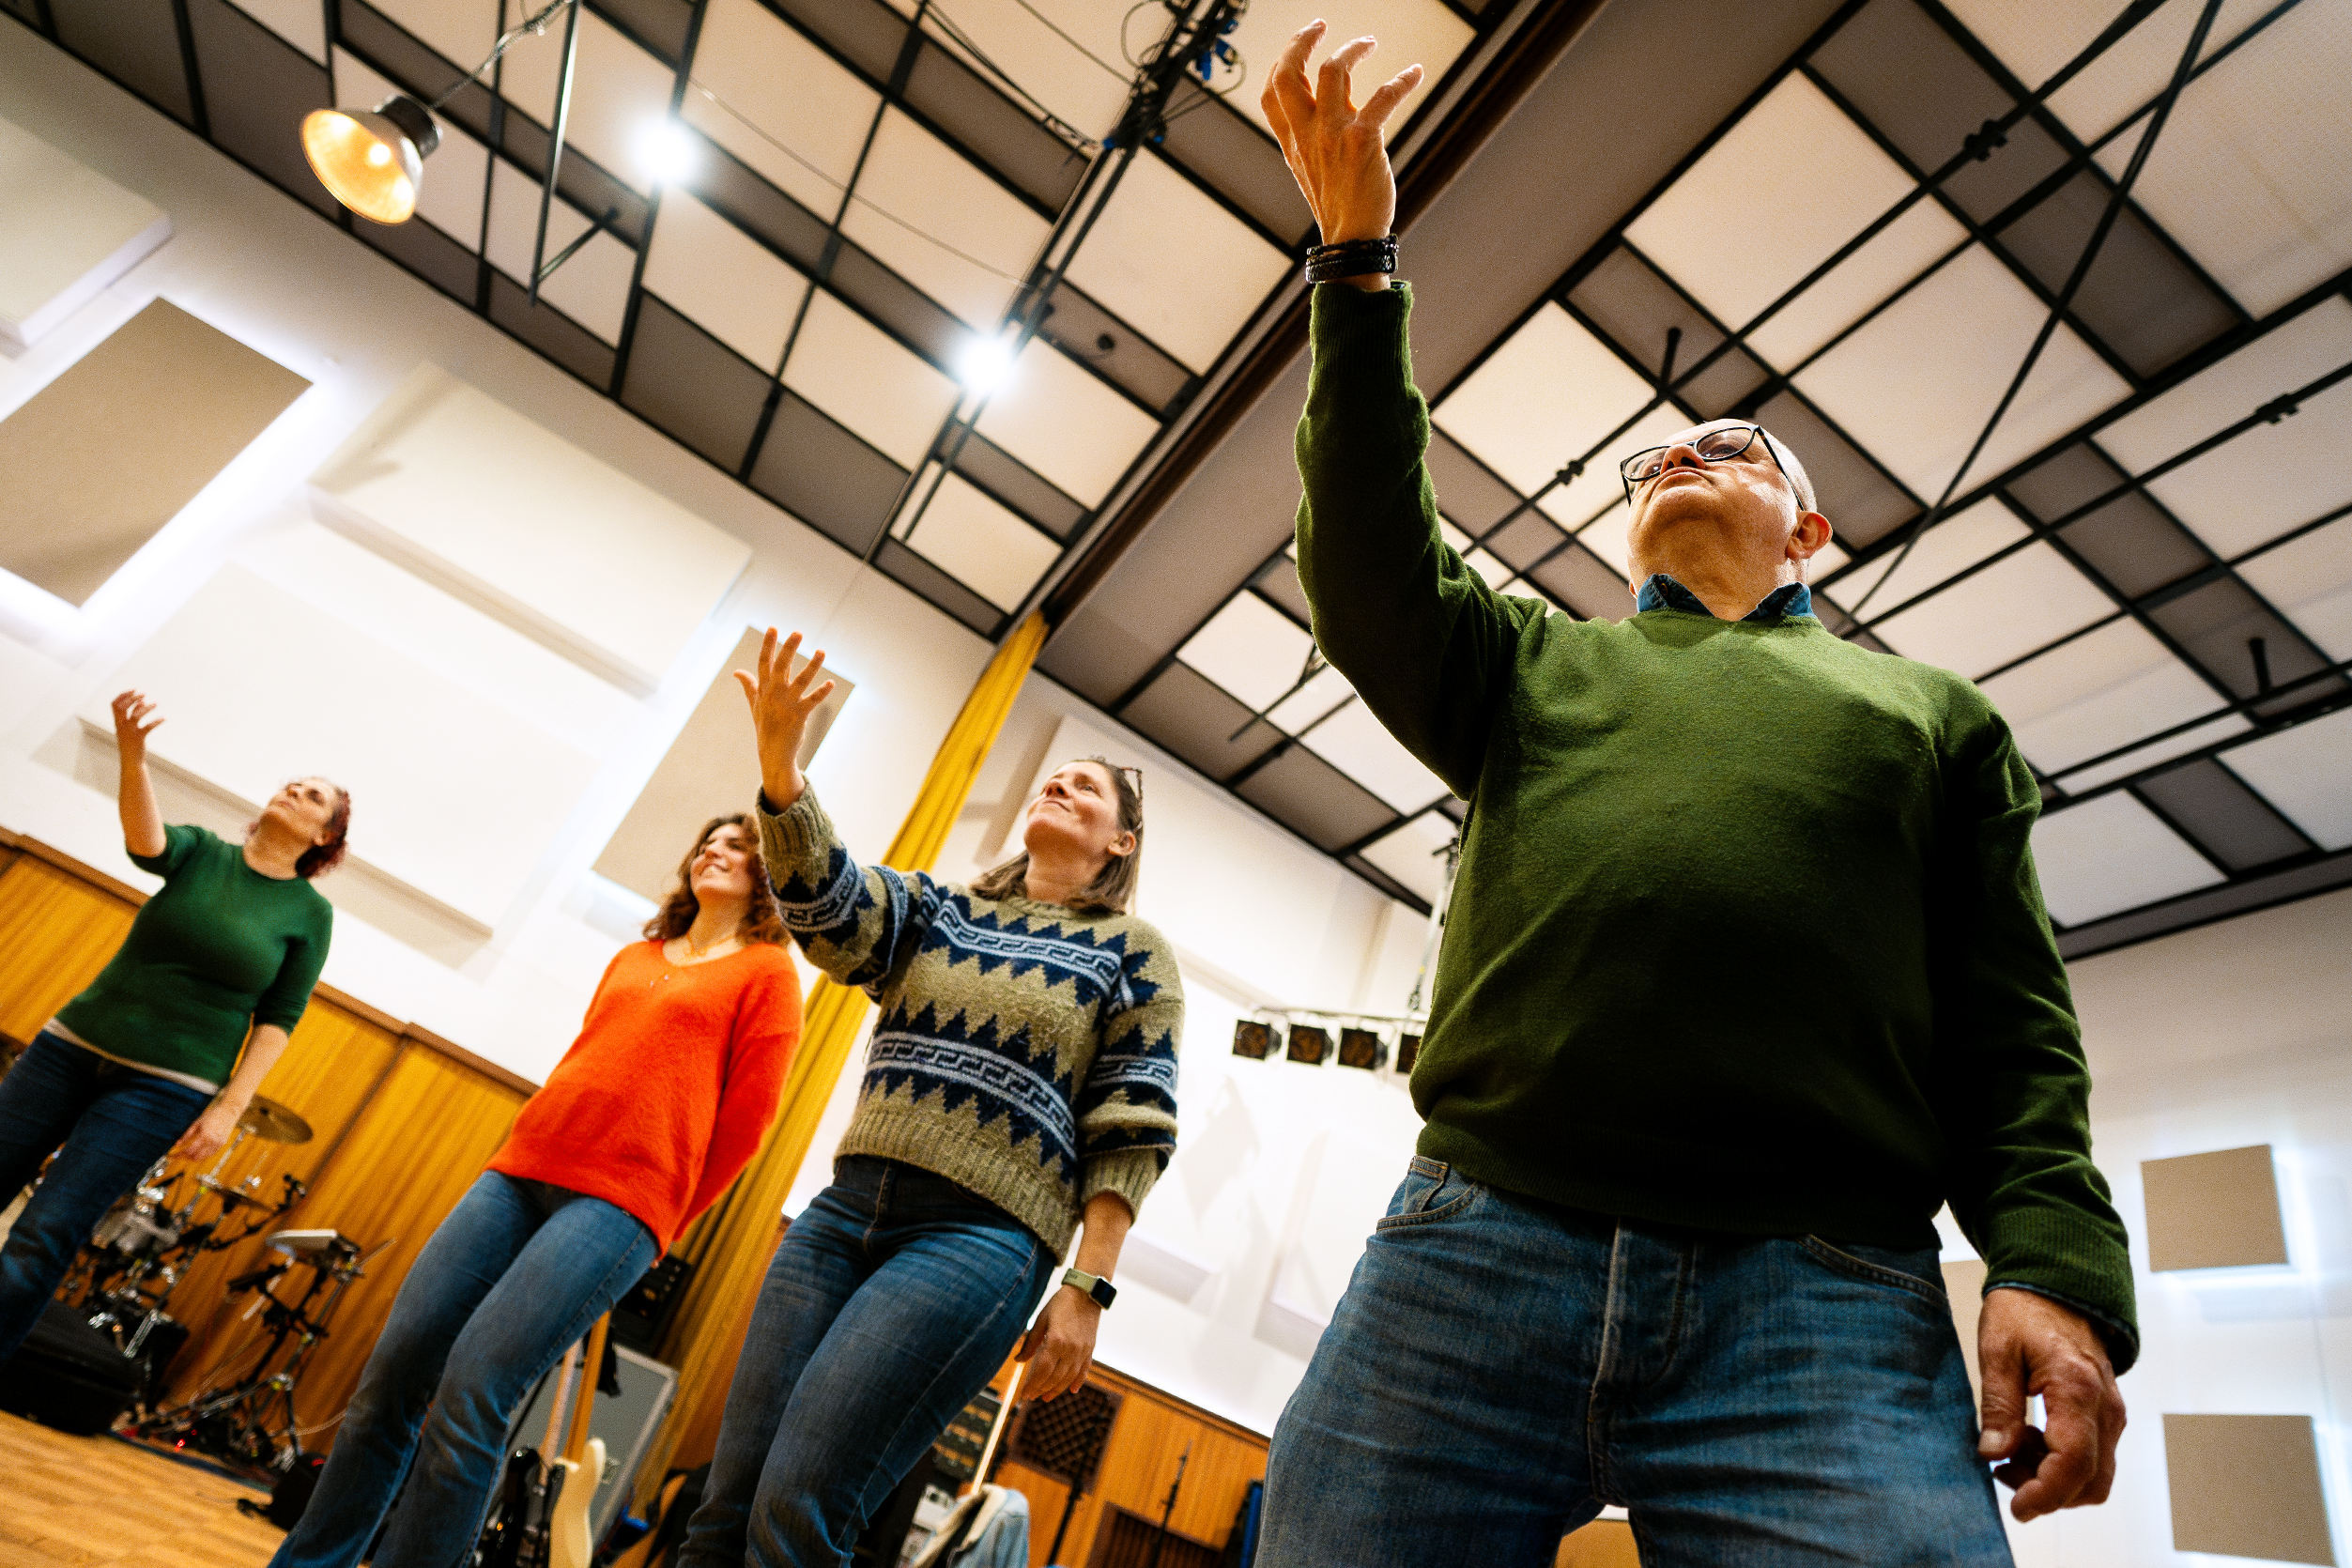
(893, 1300)
(518, 1271)
(112, 1121)
(1500, 1368)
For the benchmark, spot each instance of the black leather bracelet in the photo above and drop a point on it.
(1351, 258)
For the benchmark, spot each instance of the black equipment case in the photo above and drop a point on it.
(69, 1377)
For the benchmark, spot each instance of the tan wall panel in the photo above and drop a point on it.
(711, 768)
(2213, 1211)
(109, 452)
(2247, 1486)
(1964, 1285)
(56, 932)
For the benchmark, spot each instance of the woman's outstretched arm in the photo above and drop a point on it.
(142, 819)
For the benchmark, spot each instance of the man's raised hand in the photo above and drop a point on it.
(1336, 150)
(781, 704)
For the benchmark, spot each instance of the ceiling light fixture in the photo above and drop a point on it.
(665, 151)
(985, 365)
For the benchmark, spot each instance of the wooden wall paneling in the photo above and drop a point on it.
(56, 932)
(415, 1149)
(331, 1070)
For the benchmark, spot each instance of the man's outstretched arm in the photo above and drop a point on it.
(1421, 635)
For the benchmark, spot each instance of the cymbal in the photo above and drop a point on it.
(228, 1194)
(265, 1118)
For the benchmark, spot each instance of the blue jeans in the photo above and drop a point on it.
(1500, 1368)
(893, 1300)
(114, 1122)
(518, 1271)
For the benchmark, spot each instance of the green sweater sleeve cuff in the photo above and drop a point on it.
(2075, 1261)
(1129, 1173)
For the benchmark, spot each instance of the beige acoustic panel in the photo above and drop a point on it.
(2247, 1486)
(66, 232)
(1964, 1284)
(711, 768)
(108, 452)
(2216, 1210)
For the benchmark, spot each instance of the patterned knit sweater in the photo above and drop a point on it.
(1026, 1051)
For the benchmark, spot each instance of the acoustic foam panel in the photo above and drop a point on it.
(461, 490)
(2216, 1210)
(105, 455)
(2247, 1486)
(66, 232)
(453, 795)
(711, 768)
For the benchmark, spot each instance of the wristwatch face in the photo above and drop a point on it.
(1103, 1292)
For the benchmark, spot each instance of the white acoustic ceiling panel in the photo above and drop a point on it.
(2034, 38)
(620, 96)
(2279, 363)
(2309, 580)
(1065, 423)
(1353, 740)
(861, 375)
(988, 547)
(1414, 854)
(1952, 546)
(935, 218)
(2111, 855)
(1889, 259)
(472, 496)
(1545, 394)
(742, 292)
(299, 22)
(592, 287)
(1251, 649)
(2103, 690)
(2306, 771)
(775, 99)
(453, 795)
(2272, 478)
(66, 232)
(2018, 603)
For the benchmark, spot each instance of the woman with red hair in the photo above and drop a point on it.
(162, 1052)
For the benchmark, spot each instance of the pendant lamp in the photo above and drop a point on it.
(372, 159)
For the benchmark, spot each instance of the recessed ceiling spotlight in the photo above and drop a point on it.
(984, 364)
(666, 150)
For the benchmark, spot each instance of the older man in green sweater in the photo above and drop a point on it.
(1748, 974)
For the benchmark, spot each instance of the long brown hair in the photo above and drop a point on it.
(761, 922)
(1113, 886)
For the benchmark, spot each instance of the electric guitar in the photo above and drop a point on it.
(579, 1471)
(517, 1537)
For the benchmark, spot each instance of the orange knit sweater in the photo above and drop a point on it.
(672, 1084)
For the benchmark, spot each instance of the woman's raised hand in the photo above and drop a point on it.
(133, 726)
(781, 704)
(1336, 150)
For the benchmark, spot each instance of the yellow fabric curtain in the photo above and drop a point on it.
(730, 1246)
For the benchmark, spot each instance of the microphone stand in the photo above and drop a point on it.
(1168, 1513)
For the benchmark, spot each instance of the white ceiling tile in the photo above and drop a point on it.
(449, 196)
(1414, 854)
(1487, 566)
(2105, 689)
(773, 87)
(1916, 384)
(1312, 703)
(1353, 740)
(1451, 534)
(1069, 52)
(1953, 543)
(1828, 559)
(2309, 580)
(2192, 739)
(1606, 538)
(1251, 649)
(862, 376)
(2288, 357)
(1545, 394)
(2035, 37)
(593, 289)
(1794, 179)
(1422, 32)
(2111, 855)
(2272, 478)
(1894, 256)
(1189, 298)
(461, 30)
(1599, 492)
(987, 547)
(741, 292)
(933, 218)
(619, 94)
(2305, 772)
(2248, 173)
(2003, 612)
(300, 22)
(1065, 423)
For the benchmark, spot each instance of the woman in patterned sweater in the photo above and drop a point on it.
(1022, 1077)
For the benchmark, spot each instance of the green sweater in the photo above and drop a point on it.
(219, 949)
(1746, 935)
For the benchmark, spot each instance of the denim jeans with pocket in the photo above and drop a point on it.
(519, 1272)
(108, 1123)
(1501, 1368)
(893, 1300)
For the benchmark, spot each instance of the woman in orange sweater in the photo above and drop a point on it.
(657, 1106)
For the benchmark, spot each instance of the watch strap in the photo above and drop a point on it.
(1102, 1290)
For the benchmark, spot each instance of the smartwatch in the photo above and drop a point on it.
(1103, 1292)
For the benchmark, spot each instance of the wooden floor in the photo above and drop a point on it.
(80, 1502)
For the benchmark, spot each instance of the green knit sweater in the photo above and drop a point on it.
(1747, 934)
(1026, 1051)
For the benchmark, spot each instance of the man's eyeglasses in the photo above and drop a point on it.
(1720, 445)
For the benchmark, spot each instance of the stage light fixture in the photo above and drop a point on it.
(1360, 1047)
(1407, 1052)
(1309, 1043)
(984, 364)
(372, 159)
(665, 150)
(1255, 1039)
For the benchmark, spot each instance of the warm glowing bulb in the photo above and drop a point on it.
(378, 154)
